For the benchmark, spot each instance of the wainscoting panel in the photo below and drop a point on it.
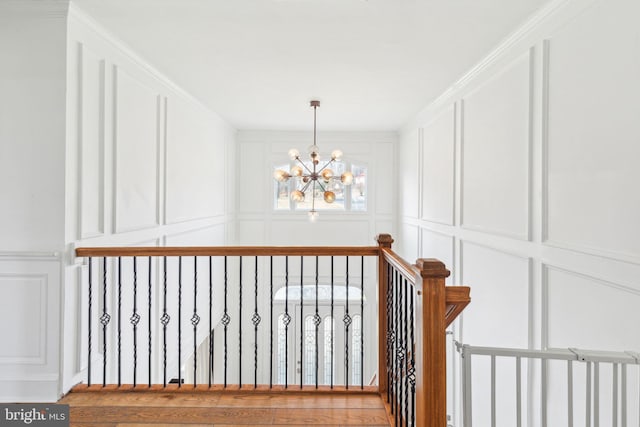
(136, 158)
(438, 167)
(499, 313)
(29, 318)
(593, 137)
(91, 144)
(192, 129)
(495, 152)
(409, 173)
(583, 311)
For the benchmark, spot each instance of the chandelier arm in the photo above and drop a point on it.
(321, 186)
(304, 188)
(303, 165)
(325, 166)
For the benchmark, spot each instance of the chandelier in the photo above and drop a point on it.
(313, 177)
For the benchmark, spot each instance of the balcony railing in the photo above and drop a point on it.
(271, 318)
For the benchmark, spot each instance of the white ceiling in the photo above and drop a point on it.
(258, 63)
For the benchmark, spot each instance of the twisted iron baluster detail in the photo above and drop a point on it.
(347, 321)
(332, 322)
(255, 319)
(286, 319)
(119, 321)
(149, 300)
(225, 319)
(165, 321)
(135, 318)
(104, 320)
(412, 370)
(389, 332)
(195, 320)
(271, 322)
(90, 326)
(317, 320)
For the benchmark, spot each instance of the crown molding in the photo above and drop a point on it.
(524, 31)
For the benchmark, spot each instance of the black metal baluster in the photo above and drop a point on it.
(89, 322)
(362, 329)
(332, 321)
(396, 366)
(286, 319)
(225, 319)
(104, 319)
(400, 350)
(179, 322)
(149, 320)
(255, 319)
(210, 321)
(302, 322)
(406, 344)
(412, 369)
(270, 322)
(195, 320)
(119, 321)
(389, 332)
(347, 322)
(240, 328)
(165, 321)
(317, 320)
(135, 318)
(394, 392)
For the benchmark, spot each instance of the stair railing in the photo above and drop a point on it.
(136, 294)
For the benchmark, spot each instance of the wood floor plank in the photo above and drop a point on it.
(142, 399)
(173, 415)
(330, 416)
(290, 400)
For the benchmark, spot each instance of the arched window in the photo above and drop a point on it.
(356, 345)
(329, 348)
(309, 351)
(282, 338)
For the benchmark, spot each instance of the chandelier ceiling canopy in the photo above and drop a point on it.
(313, 177)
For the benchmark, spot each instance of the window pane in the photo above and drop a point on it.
(356, 345)
(328, 350)
(282, 190)
(359, 188)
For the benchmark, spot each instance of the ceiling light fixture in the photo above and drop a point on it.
(313, 177)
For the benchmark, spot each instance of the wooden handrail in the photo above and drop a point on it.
(229, 251)
(407, 270)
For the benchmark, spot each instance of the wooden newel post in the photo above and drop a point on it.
(431, 369)
(384, 241)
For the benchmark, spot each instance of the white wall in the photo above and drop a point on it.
(259, 224)
(98, 149)
(32, 132)
(527, 175)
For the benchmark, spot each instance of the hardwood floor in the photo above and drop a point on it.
(224, 409)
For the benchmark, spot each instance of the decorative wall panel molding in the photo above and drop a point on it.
(585, 312)
(438, 168)
(500, 285)
(91, 123)
(592, 140)
(136, 154)
(23, 301)
(496, 141)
